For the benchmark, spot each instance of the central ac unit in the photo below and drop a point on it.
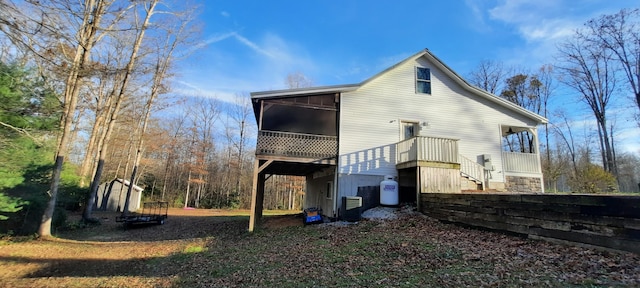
(352, 207)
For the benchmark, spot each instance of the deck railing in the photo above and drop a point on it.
(432, 149)
(472, 169)
(521, 162)
(297, 145)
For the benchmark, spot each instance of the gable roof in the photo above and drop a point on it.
(423, 53)
(126, 184)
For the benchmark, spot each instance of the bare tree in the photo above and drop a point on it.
(172, 154)
(101, 101)
(298, 80)
(204, 114)
(164, 57)
(620, 34)
(236, 133)
(629, 176)
(32, 26)
(588, 69)
(147, 12)
(527, 91)
(565, 133)
(489, 75)
(545, 90)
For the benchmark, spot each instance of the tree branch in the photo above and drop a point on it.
(21, 131)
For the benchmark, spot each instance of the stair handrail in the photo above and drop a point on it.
(472, 170)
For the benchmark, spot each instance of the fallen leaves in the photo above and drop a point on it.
(410, 251)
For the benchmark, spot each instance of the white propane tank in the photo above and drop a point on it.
(389, 191)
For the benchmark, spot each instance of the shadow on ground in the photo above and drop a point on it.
(180, 224)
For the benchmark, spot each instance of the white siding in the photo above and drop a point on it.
(370, 120)
(348, 184)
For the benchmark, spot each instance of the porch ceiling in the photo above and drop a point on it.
(293, 168)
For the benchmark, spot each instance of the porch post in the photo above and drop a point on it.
(254, 195)
(534, 131)
(260, 197)
(418, 187)
(257, 193)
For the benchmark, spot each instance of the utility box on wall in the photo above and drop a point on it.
(486, 158)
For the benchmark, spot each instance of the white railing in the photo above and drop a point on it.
(472, 169)
(422, 148)
(521, 162)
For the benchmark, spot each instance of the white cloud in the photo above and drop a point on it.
(225, 14)
(263, 66)
(478, 21)
(235, 35)
(549, 30)
(211, 40)
(252, 45)
(219, 87)
(241, 39)
(193, 90)
(539, 26)
(523, 10)
(537, 20)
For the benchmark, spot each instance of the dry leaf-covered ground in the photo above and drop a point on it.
(211, 248)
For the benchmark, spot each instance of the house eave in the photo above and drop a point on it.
(303, 91)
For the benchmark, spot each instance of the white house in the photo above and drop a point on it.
(418, 121)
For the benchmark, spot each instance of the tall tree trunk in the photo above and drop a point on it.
(163, 62)
(610, 163)
(88, 209)
(90, 154)
(89, 161)
(615, 160)
(92, 16)
(186, 197)
(603, 153)
(240, 158)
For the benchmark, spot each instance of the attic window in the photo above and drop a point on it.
(423, 80)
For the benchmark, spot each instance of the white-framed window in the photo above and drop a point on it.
(423, 80)
(329, 189)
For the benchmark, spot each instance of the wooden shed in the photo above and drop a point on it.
(112, 195)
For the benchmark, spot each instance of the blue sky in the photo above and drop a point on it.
(253, 45)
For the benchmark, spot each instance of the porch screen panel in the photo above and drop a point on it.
(299, 120)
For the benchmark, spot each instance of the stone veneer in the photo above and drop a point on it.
(523, 184)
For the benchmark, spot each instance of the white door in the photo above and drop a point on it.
(408, 130)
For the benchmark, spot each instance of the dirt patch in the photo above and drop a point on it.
(180, 224)
(282, 221)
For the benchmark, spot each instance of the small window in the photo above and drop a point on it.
(423, 80)
(329, 190)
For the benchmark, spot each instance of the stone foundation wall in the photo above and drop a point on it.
(523, 184)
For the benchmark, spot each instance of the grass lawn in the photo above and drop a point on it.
(211, 248)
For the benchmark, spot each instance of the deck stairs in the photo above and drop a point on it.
(473, 172)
